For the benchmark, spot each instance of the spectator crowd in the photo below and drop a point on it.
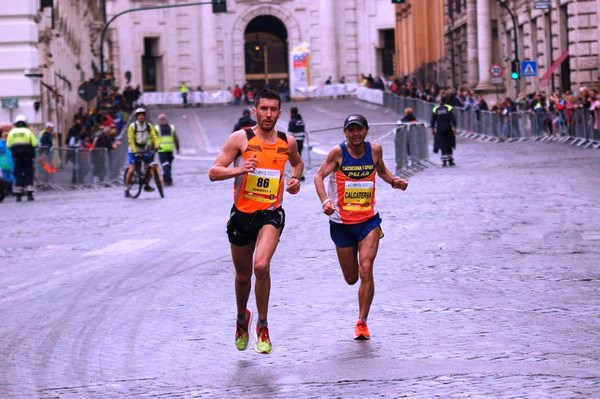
(85, 154)
(557, 113)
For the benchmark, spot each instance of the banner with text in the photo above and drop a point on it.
(300, 76)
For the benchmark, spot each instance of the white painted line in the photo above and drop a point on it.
(591, 236)
(211, 149)
(330, 113)
(319, 151)
(123, 247)
(196, 158)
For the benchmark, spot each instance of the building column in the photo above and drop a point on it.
(209, 54)
(472, 36)
(327, 51)
(484, 44)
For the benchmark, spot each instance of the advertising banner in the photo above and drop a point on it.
(299, 75)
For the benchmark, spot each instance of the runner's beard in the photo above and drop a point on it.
(267, 125)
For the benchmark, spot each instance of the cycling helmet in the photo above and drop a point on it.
(21, 119)
(139, 111)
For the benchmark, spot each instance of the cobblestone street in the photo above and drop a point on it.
(487, 283)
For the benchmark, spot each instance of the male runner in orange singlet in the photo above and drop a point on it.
(259, 155)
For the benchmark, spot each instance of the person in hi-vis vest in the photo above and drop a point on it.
(22, 143)
(168, 142)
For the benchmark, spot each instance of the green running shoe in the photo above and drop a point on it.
(241, 332)
(263, 342)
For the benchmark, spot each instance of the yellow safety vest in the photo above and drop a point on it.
(167, 142)
(21, 136)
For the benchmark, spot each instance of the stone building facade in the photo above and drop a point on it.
(252, 41)
(420, 50)
(562, 41)
(47, 48)
(58, 41)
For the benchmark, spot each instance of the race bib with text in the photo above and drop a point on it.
(358, 196)
(262, 185)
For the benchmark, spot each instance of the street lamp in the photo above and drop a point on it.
(516, 61)
(219, 6)
(32, 73)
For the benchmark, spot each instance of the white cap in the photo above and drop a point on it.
(20, 118)
(49, 124)
(139, 111)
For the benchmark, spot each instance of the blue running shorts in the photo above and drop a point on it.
(349, 235)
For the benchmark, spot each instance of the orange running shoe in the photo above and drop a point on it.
(361, 331)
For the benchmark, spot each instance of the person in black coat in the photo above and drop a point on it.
(297, 128)
(443, 127)
(245, 121)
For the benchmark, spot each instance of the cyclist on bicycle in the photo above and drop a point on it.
(142, 138)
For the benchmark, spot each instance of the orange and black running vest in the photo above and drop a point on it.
(262, 189)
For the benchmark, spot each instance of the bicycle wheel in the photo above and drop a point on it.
(159, 185)
(137, 183)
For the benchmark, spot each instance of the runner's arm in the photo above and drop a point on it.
(236, 143)
(331, 163)
(383, 171)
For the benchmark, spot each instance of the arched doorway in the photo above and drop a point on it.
(266, 51)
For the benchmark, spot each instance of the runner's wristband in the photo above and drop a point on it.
(326, 201)
(294, 177)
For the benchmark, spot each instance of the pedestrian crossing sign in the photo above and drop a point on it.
(528, 68)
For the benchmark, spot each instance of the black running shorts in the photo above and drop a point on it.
(243, 228)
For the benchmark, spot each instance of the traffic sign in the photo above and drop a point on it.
(528, 68)
(542, 5)
(496, 70)
(11, 103)
(497, 80)
(87, 91)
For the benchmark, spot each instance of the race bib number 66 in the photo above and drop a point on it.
(262, 185)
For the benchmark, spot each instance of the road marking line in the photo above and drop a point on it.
(330, 113)
(123, 247)
(204, 137)
(195, 158)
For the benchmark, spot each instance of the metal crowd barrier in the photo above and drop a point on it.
(412, 148)
(405, 146)
(62, 167)
(574, 126)
(576, 129)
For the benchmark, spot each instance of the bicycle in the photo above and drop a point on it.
(142, 178)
